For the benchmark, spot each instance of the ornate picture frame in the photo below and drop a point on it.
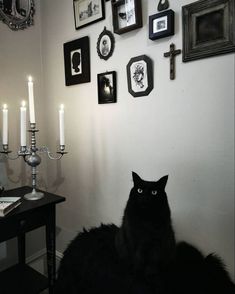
(77, 61)
(107, 88)
(161, 24)
(140, 76)
(127, 15)
(208, 28)
(87, 12)
(105, 44)
(17, 15)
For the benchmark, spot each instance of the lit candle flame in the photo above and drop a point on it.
(23, 103)
(4, 106)
(30, 79)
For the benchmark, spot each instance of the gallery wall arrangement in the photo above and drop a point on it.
(208, 30)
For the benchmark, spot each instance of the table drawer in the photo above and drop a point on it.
(23, 224)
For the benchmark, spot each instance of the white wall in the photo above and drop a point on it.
(20, 56)
(184, 128)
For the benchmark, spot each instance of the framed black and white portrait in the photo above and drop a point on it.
(208, 28)
(140, 76)
(127, 15)
(87, 12)
(77, 61)
(107, 88)
(161, 25)
(105, 44)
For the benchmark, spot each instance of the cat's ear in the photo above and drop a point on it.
(135, 178)
(162, 182)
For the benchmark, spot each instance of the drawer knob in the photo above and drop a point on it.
(22, 223)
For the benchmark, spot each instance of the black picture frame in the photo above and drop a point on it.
(140, 76)
(86, 12)
(107, 87)
(208, 28)
(105, 44)
(161, 24)
(127, 16)
(77, 61)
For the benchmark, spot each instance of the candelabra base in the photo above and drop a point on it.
(34, 195)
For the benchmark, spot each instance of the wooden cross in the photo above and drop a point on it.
(172, 53)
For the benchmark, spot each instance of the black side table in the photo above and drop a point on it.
(28, 216)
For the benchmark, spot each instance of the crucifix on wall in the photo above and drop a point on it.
(172, 53)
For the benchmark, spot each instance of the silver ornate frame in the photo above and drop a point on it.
(15, 20)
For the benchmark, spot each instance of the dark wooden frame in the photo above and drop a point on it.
(205, 43)
(81, 44)
(102, 3)
(101, 98)
(169, 31)
(138, 17)
(109, 35)
(149, 88)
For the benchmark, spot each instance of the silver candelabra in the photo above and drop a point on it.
(31, 157)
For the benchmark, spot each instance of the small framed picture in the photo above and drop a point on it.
(107, 88)
(161, 25)
(140, 76)
(77, 61)
(105, 44)
(208, 28)
(87, 12)
(127, 15)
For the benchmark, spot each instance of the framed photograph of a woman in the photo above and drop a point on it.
(77, 61)
(140, 76)
(106, 83)
(105, 44)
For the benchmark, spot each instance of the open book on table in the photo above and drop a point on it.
(7, 204)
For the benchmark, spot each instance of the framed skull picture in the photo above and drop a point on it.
(140, 76)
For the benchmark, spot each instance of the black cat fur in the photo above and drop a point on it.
(191, 272)
(141, 256)
(146, 238)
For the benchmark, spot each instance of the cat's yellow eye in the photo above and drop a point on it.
(140, 191)
(154, 192)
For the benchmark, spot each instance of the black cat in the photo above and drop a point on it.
(129, 259)
(146, 237)
(140, 257)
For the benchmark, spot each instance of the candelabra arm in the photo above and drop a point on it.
(6, 152)
(9, 157)
(45, 149)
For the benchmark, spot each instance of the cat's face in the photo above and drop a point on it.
(148, 200)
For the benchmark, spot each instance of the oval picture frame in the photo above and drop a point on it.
(105, 44)
(17, 16)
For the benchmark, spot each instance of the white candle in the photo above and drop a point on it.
(23, 124)
(5, 125)
(31, 101)
(61, 123)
